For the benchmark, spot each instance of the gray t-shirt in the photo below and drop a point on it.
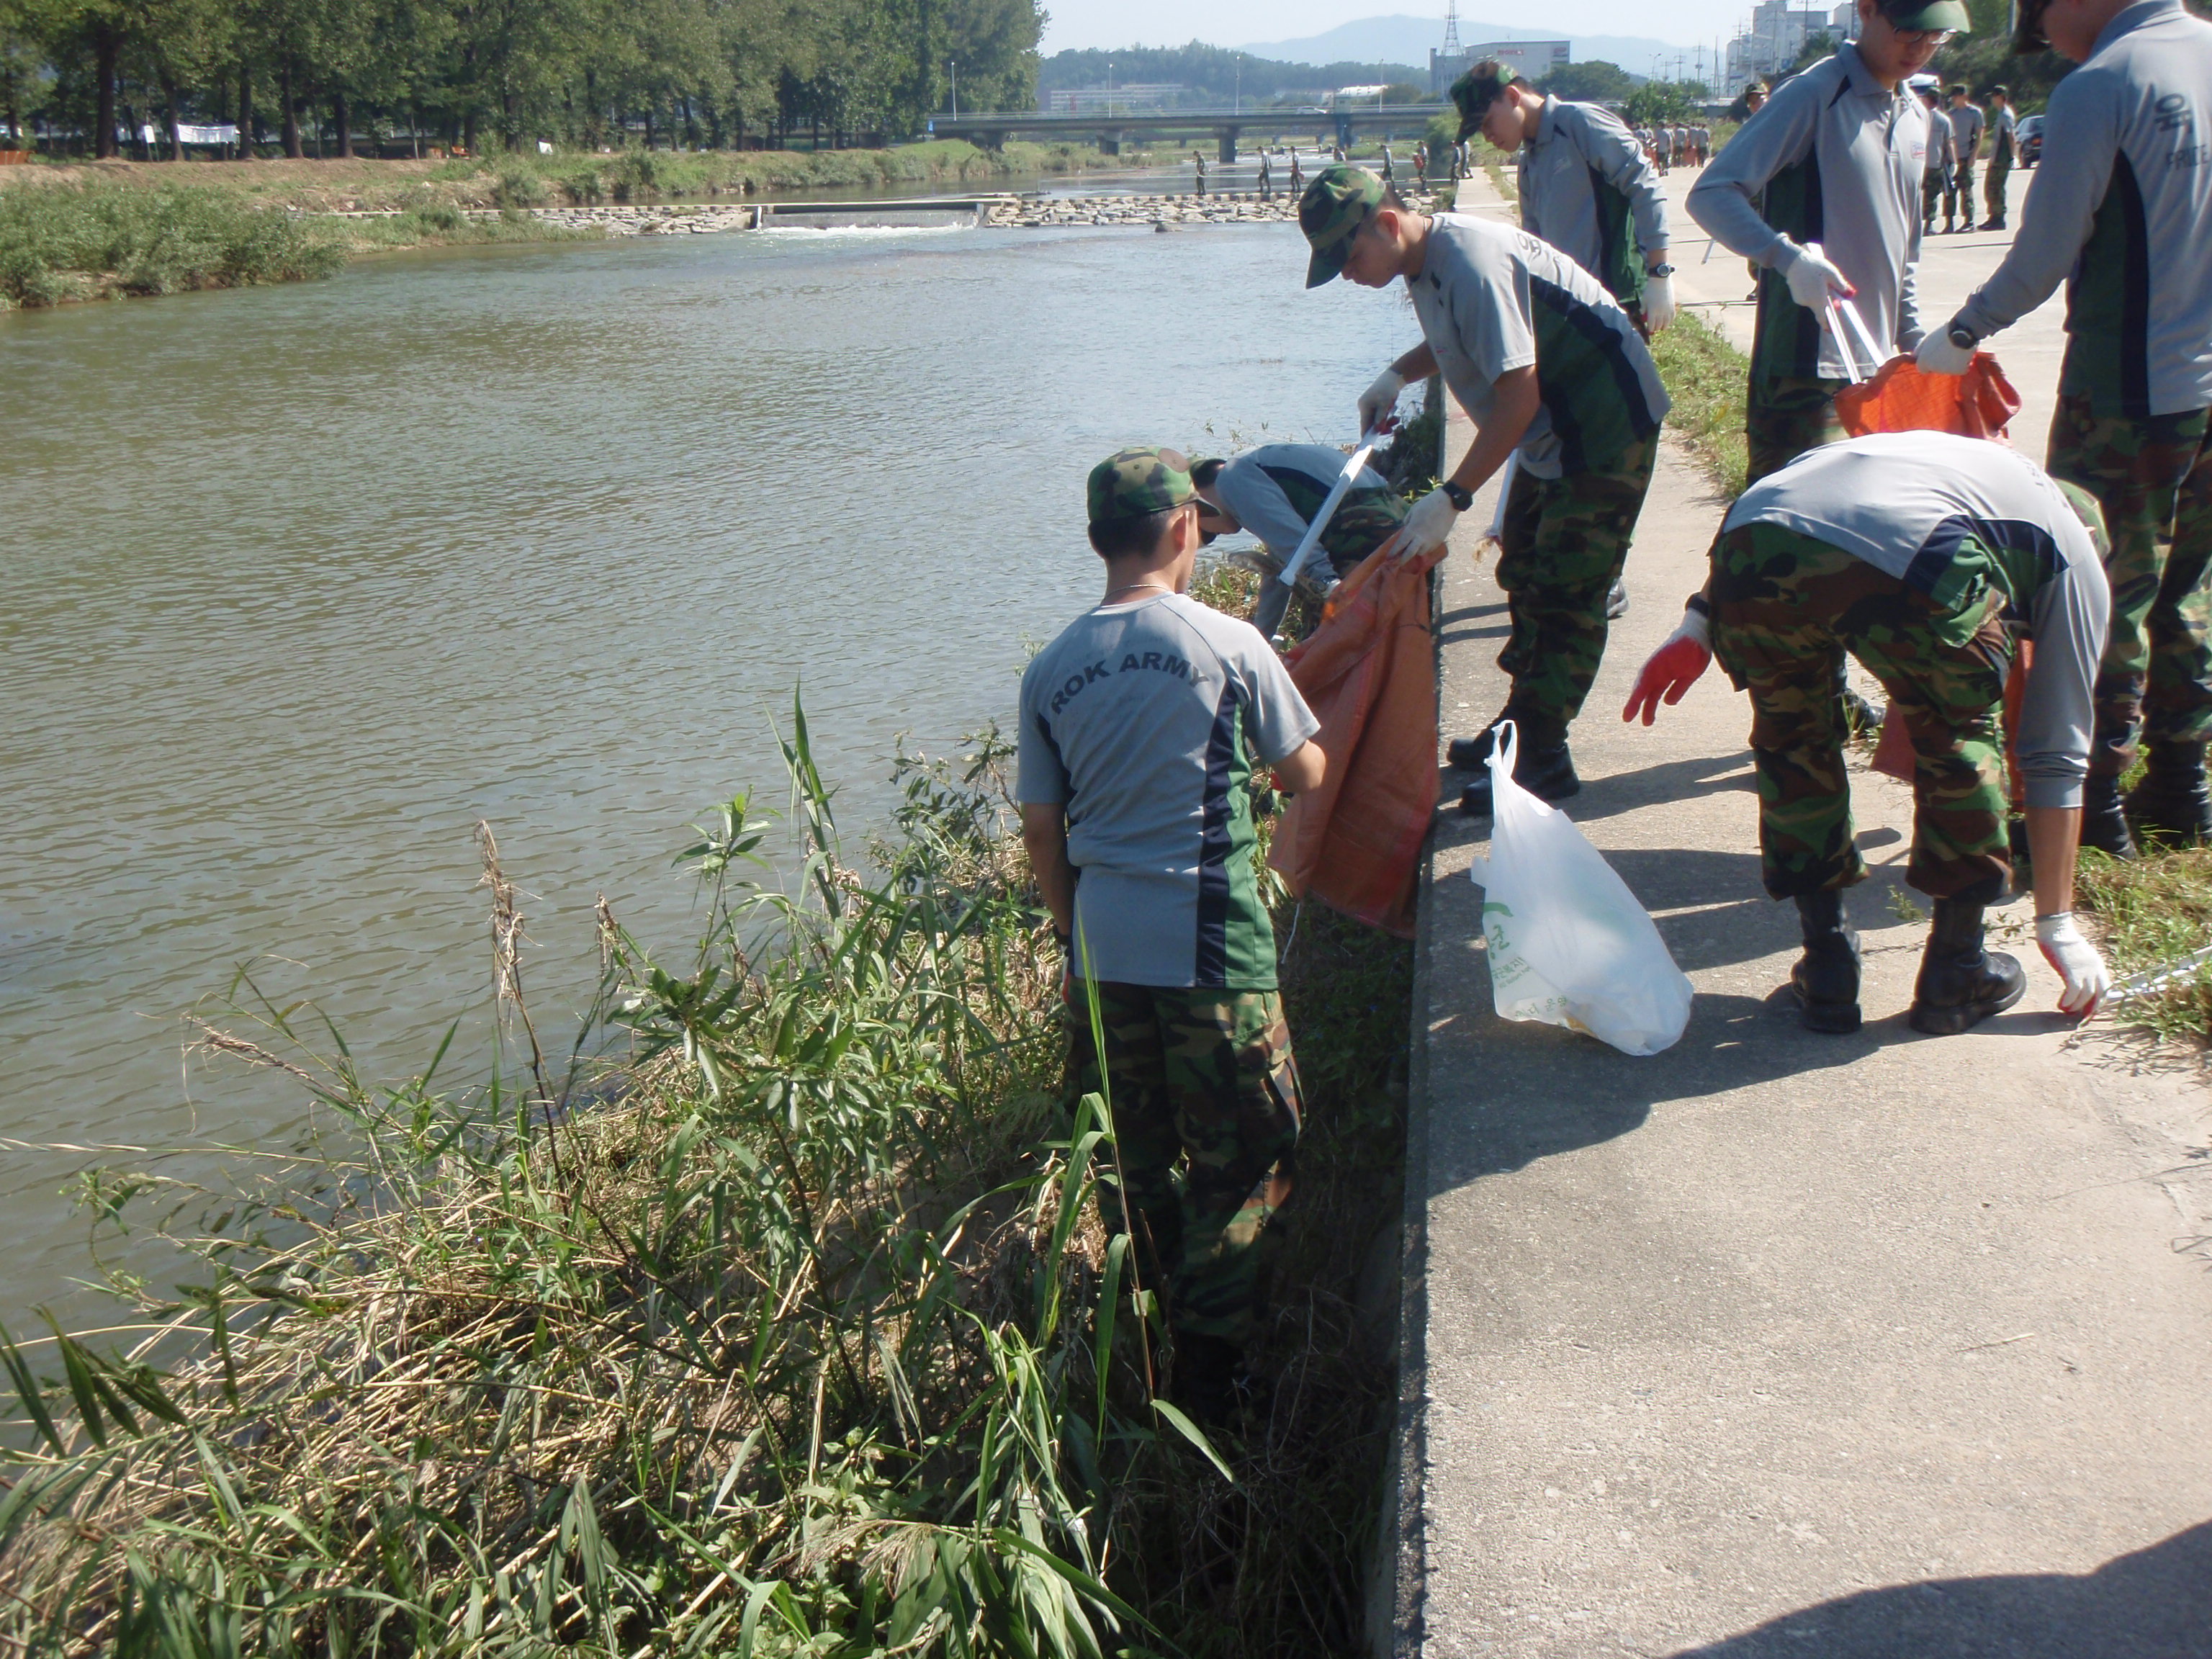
(1941, 143)
(1492, 300)
(1905, 502)
(1250, 488)
(2121, 211)
(1832, 157)
(1147, 720)
(1584, 181)
(1966, 132)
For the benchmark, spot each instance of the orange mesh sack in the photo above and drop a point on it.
(1979, 403)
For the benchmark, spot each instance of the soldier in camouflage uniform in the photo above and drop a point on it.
(1553, 372)
(1910, 551)
(1141, 727)
(2121, 213)
(1274, 492)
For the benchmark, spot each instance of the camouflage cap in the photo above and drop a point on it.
(1340, 200)
(1475, 91)
(1136, 482)
(1913, 15)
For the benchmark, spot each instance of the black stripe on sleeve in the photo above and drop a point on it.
(2135, 293)
(1212, 967)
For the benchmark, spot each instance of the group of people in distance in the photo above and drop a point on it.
(1925, 556)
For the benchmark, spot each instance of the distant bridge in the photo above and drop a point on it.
(991, 130)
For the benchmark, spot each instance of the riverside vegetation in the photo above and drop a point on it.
(97, 232)
(777, 1317)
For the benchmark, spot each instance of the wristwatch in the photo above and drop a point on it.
(1659, 271)
(1962, 336)
(1462, 499)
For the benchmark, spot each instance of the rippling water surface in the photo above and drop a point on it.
(297, 583)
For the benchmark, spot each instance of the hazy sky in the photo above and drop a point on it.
(1231, 22)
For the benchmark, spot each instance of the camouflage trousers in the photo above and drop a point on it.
(2153, 479)
(1206, 1111)
(1958, 194)
(1993, 185)
(1786, 416)
(1785, 610)
(1932, 186)
(1565, 540)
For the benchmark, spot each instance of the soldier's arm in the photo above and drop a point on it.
(1612, 150)
(1044, 834)
(1725, 199)
(1261, 508)
(2082, 140)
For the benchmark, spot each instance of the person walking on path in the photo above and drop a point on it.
(1267, 180)
(1298, 175)
(1910, 550)
(1141, 726)
(1966, 144)
(1386, 162)
(1820, 190)
(1198, 163)
(1940, 166)
(1555, 375)
(2003, 149)
(2122, 212)
(1586, 186)
(1274, 491)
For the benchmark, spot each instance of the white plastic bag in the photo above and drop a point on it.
(1568, 943)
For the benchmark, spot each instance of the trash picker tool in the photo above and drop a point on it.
(1353, 467)
(1847, 344)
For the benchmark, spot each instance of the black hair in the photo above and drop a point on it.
(1956, 89)
(1206, 471)
(1115, 538)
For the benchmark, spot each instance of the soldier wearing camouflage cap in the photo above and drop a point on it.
(1554, 373)
(1142, 726)
(1586, 185)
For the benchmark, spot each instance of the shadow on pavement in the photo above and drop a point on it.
(1539, 1091)
(2153, 1604)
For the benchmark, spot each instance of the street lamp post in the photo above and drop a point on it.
(953, 64)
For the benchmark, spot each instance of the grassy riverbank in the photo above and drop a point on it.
(118, 229)
(805, 1337)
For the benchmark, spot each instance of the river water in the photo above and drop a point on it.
(297, 583)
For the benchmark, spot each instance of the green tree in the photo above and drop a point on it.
(1658, 102)
(1594, 83)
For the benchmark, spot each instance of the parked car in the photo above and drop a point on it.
(2030, 136)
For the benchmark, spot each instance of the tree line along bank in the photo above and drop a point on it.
(85, 78)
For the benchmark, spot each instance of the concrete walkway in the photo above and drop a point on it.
(1780, 1344)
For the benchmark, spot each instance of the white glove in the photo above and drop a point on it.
(1658, 303)
(2089, 982)
(1380, 401)
(1428, 526)
(1812, 279)
(1937, 356)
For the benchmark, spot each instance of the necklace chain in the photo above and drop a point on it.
(1130, 587)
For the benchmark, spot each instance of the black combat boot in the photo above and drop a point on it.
(2103, 825)
(1468, 754)
(1962, 984)
(2172, 803)
(1548, 773)
(1826, 976)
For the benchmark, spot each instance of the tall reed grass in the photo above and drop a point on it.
(784, 1323)
(62, 243)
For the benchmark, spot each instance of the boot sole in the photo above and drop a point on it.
(1829, 1018)
(1950, 1022)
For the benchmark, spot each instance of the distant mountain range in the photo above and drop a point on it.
(1402, 40)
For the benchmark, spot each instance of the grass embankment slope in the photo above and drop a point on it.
(2153, 912)
(113, 229)
(806, 1338)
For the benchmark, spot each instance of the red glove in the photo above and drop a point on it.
(1673, 669)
